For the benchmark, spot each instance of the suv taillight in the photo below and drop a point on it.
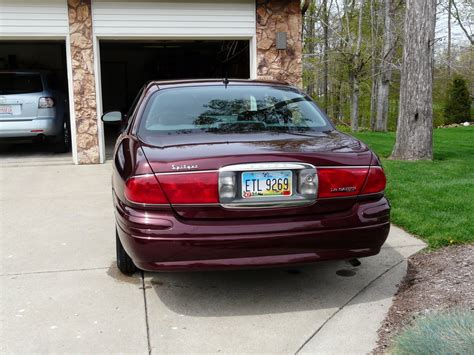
(45, 102)
(144, 189)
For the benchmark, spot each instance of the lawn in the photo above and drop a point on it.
(432, 199)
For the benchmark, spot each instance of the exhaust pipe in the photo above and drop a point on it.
(354, 262)
(40, 138)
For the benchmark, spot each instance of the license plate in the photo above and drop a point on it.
(6, 109)
(266, 183)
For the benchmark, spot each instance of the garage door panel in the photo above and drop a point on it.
(174, 18)
(47, 17)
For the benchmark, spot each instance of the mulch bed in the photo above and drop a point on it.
(435, 280)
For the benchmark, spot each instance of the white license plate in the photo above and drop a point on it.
(267, 183)
(6, 109)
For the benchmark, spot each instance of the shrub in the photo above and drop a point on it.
(458, 102)
(447, 332)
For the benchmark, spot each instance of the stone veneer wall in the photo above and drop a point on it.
(85, 107)
(272, 64)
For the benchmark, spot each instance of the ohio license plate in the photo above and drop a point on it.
(6, 109)
(266, 183)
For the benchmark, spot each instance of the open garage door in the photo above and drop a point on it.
(127, 65)
(34, 113)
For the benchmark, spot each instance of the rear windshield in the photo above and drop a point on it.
(20, 83)
(235, 109)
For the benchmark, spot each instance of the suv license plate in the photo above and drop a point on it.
(6, 109)
(266, 183)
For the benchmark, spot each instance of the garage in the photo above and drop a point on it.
(24, 65)
(34, 85)
(159, 40)
(127, 65)
(102, 51)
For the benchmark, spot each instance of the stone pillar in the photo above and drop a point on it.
(84, 91)
(272, 64)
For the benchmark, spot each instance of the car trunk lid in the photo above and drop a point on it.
(182, 162)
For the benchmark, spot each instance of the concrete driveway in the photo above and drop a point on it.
(61, 292)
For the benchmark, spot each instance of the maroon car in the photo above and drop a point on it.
(216, 174)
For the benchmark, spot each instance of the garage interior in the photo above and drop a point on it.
(127, 65)
(33, 55)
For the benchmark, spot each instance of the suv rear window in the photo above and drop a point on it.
(231, 109)
(20, 83)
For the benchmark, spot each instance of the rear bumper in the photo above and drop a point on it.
(160, 241)
(47, 126)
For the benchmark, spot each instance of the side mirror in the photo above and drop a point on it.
(112, 117)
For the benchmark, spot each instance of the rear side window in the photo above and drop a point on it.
(20, 83)
(231, 109)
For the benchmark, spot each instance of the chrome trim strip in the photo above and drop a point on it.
(276, 204)
(345, 166)
(187, 172)
(251, 166)
(267, 166)
(196, 204)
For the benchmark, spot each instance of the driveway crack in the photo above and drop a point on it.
(146, 314)
(345, 304)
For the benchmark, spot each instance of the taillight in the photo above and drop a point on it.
(340, 182)
(376, 181)
(45, 102)
(192, 188)
(144, 189)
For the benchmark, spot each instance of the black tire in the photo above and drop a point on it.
(62, 143)
(124, 261)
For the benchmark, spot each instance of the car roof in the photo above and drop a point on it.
(161, 84)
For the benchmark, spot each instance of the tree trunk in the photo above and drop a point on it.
(325, 16)
(354, 103)
(415, 121)
(310, 47)
(355, 74)
(373, 90)
(448, 59)
(385, 75)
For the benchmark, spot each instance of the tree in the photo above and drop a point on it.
(448, 59)
(385, 76)
(374, 67)
(414, 139)
(464, 17)
(458, 102)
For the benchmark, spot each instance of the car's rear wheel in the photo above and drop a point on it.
(124, 261)
(62, 143)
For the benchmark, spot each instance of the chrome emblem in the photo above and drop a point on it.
(183, 167)
(343, 189)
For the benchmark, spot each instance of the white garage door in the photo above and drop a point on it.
(174, 18)
(33, 18)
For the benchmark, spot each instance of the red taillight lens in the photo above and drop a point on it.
(191, 187)
(144, 189)
(339, 182)
(376, 181)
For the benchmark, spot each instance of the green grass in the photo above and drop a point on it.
(447, 332)
(432, 199)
